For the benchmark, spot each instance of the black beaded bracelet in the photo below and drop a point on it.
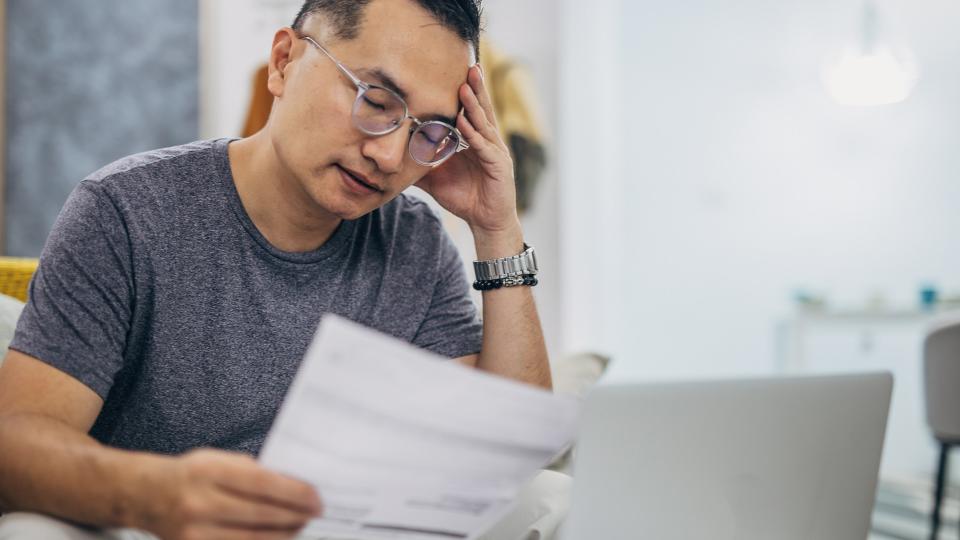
(528, 280)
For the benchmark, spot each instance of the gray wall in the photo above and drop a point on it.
(87, 83)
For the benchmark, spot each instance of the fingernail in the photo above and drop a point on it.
(480, 69)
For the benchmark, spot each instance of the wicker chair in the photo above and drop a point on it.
(15, 275)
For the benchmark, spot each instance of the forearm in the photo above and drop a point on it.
(49, 467)
(513, 344)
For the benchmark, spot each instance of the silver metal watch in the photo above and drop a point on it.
(524, 264)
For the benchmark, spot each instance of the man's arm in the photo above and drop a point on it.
(477, 185)
(49, 464)
(513, 344)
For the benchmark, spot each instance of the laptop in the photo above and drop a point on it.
(759, 459)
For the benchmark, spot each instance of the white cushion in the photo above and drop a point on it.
(574, 374)
(10, 309)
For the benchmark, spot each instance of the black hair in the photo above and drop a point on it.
(345, 17)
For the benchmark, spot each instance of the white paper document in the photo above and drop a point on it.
(403, 444)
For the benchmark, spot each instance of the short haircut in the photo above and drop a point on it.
(345, 16)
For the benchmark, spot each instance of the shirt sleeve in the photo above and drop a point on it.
(79, 302)
(452, 327)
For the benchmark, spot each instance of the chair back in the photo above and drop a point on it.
(15, 275)
(941, 374)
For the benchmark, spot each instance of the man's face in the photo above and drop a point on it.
(399, 46)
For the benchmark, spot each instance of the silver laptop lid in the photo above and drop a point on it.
(759, 459)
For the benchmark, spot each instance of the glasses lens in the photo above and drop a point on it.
(378, 111)
(432, 142)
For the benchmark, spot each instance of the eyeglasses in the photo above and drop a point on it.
(378, 111)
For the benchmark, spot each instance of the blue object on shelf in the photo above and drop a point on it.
(928, 297)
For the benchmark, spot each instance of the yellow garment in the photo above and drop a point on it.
(511, 91)
(512, 94)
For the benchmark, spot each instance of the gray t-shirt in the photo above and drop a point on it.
(156, 290)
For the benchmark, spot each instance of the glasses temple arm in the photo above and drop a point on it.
(343, 69)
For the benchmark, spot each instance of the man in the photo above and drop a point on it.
(179, 288)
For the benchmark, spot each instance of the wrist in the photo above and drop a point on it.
(144, 491)
(496, 244)
(511, 271)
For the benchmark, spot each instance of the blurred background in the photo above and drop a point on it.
(714, 189)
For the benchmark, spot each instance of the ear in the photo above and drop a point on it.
(280, 58)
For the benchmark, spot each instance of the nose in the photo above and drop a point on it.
(388, 151)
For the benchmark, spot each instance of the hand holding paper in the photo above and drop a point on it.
(404, 444)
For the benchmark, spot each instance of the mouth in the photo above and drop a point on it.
(358, 181)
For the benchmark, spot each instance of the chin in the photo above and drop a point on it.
(352, 215)
(347, 209)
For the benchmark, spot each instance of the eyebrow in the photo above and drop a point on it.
(388, 82)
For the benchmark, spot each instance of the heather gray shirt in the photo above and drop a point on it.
(156, 290)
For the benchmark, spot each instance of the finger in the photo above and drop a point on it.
(484, 148)
(474, 138)
(479, 86)
(234, 510)
(477, 116)
(475, 112)
(241, 533)
(254, 481)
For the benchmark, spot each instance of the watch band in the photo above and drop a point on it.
(524, 264)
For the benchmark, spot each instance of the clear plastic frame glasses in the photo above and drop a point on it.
(378, 111)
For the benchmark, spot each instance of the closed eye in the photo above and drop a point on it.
(374, 104)
(423, 134)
